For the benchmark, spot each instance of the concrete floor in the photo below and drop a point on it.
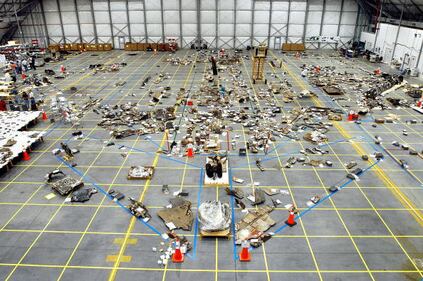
(370, 230)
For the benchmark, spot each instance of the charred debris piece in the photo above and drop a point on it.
(254, 225)
(136, 121)
(139, 210)
(66, 185)
(177, 215)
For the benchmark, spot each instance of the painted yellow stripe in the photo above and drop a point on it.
(291, 195)
(133, 220)
(114, 258)
(208, 270)
(130, 241)
(401, 197)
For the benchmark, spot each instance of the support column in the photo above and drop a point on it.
(145, 20)
(287, 22)
(419, 57)
(43, 16)
(252, 23)
(270, 23)
(216, 2)
(340, 20)
(398, 31)
(162, 19)
(77, 21)
(128, 21)
(33, 25)
(305, 21)
(357, 22)
(111, 24)
(198, 5)
(377, 28)
(234, 38)
(321, 21)
(61, 22)
(94, 22)
(180, 24)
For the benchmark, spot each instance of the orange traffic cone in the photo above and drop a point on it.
(291, 219)
(25, 156)
(44, 116)
(245, 255)
(190, 152)
(177, 256)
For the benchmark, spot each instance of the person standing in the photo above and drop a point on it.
(3, 105)
(25, 65)
(33, 104)
(25, 98)
(32, 62)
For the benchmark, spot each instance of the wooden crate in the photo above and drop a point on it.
(92, 47)
(286, 47)
(162, 47)
(301, 47)
(154, 46)
(73, 47)
(80, 47)
(128, 46)
(54, 48)
(140, 47)
(107, 47)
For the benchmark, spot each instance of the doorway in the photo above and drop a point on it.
(121, 42)
(277, 43)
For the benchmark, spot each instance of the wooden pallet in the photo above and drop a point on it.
(223, 233)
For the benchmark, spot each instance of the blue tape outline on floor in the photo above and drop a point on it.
(200, 184)
(232, 203)
(303, 213)
(99, 188)
(152, 153)
(294, 152)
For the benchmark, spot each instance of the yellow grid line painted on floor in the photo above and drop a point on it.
(45, 227)
(385, 224)
(251, 174)
(112, 275)
(311, 168)
(401, 197)
(119, 241)
(356, 209)
(334, 207)
(114, 258)
(209, 270)
(379, 172)
(66, 130)
(263, 186)
(118, 259)
(49, 221)
(105, 233)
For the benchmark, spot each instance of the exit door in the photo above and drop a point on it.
(121, 42)
(277, 43)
